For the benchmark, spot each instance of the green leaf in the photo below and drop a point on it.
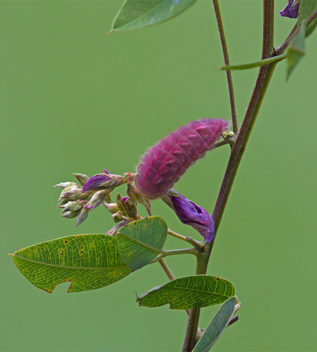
(189, 292)
(254, 64)
(136, 14)
(307, 7)
(295, 50)
(87, 261)
(141, 241)
(217, 326)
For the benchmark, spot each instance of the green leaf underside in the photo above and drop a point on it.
(136, 14)
(189, 292)
(307, 7)
(88, 261)
(140, 241)
(296, 50)
(217, 326)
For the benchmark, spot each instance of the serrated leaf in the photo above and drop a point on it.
(140, 241)
(296, 50)
(87, 261)
(189, 292)
(136, 14)
(307, 7)
(217, 326)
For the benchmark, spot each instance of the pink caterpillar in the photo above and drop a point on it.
(166, 161)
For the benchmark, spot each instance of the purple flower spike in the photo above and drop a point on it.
(291, 10)
(95, 182)
(192, 214)
(166, 161)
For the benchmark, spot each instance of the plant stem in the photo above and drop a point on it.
(166, 269)
(177, 235)
(227, 63)
(193, 318)
(263, 80)
(164, 254)
(233, 320)
(193, 251)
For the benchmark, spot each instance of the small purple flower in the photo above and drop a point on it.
(95, 182)
(192, 214)
(291, 9)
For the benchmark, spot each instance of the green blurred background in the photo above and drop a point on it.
(76, 100)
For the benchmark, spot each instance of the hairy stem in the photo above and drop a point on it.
(263, 80)
(227, 63)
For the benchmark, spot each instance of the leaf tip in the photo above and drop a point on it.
(11, 255)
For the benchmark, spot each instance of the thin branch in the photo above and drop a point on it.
(164, 254)
(263, 80)
(166, 269)
(177, 235)
(227, 63)
(233, 320)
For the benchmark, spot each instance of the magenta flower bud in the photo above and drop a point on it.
(192, 214)
(291, 9)
(166, 161)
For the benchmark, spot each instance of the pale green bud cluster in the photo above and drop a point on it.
(75, 203)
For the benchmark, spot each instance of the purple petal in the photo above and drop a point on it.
(105, 171)
(290, 10)
(95, 182)
(192, 214)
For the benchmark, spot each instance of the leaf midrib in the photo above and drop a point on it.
(188, 289)
(69, 267)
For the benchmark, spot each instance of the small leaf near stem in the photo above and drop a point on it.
(296, 50)
(254, 64)
(282, 48)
